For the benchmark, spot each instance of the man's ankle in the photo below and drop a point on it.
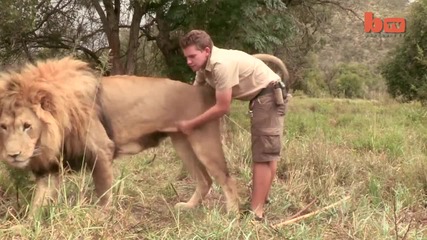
(258, 212)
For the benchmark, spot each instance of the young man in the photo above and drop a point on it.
(237, 75)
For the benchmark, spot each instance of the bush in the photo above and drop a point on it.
(349, 85)
(405, 69)
(347, 80)
(354, 80)
(313, 79)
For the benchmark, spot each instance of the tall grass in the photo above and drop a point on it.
(374, 152)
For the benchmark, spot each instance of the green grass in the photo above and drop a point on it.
(375, 152)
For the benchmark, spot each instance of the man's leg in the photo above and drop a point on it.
(273, 168)
(262, 177)
(266, 131)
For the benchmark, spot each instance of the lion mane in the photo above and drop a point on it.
(58, 98)
(61, 94)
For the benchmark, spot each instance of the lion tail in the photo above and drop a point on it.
(275, 60)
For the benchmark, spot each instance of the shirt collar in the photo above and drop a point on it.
(209, 62)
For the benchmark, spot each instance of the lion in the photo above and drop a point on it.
(49, 115)
(59, 114)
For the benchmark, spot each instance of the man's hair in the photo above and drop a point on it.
(198, 38)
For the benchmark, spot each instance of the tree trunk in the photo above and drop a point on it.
(171, 50)
(133, 44)
(110, 22)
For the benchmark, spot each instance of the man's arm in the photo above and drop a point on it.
(221, 107)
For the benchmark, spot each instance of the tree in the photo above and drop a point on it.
(250, 25)
(38, 29)
(93, 28)
(405, 69)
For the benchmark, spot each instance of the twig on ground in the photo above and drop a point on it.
(287, 222)
(408, 229)
(152, 160)
(395, 221)
(301, 211)
(176, 192)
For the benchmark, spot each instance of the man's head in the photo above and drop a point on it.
(197, 47)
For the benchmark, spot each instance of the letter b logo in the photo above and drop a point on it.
(390, 25)
(373, 24)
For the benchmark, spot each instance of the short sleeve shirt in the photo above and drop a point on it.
(244, 73)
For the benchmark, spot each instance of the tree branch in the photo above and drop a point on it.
(56, 9)
(60, 45)
(102, 16)
(337, 4)
(146, 31)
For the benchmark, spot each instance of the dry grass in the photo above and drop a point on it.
(374, 152)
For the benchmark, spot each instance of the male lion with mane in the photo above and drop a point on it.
(60, 112)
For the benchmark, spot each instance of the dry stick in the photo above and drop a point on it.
(310, 214)
(176, 192)
(395, 220)
(407, 230)
(301, 211)
(152, 160)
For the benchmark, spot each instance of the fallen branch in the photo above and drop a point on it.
(287, 222)
(301, 211)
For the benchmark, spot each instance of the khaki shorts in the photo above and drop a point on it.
(267, 120)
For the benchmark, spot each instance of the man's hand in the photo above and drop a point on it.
(185, 126)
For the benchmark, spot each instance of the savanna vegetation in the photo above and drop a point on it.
(355, 135)
(372, 152)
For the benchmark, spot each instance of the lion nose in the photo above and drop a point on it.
(14, 155)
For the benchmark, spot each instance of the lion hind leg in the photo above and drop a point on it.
(195, 168)
(46, 191)
(206, 143)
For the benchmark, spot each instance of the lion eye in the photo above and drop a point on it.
(3, 126)
(27, 126)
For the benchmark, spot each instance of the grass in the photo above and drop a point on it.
(375, 152)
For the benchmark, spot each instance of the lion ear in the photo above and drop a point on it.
(46, 100)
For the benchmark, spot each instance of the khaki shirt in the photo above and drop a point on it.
(235, 69)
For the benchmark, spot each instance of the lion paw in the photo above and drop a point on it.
(233, 208)
(184, 205)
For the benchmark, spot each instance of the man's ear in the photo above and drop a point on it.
(208, 50)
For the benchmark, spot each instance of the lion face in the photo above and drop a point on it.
(20, 130)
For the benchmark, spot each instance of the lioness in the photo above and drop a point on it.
(59, 112)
